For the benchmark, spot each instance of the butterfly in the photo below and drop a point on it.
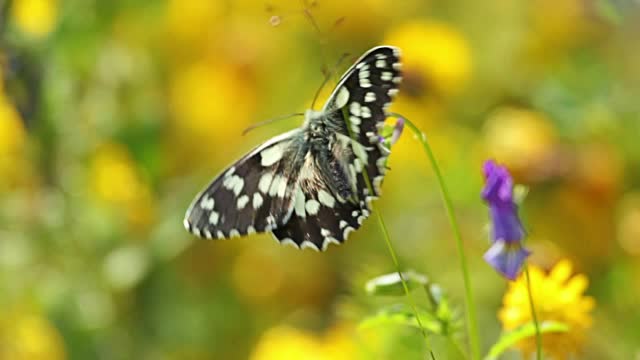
(311, 186)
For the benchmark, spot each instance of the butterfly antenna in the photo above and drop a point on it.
(327, 76)
(269, 121)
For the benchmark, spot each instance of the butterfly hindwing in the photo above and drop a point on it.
(252, 195)
(321, 215)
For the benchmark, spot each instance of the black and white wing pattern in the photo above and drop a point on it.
(253, 195)
(337, 190)
(311, 186)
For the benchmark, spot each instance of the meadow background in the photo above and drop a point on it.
(114, 114)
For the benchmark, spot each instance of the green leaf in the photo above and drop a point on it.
(391, 284)
(400, 314)
(510, 338)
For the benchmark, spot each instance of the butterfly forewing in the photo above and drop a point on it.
(253, 195)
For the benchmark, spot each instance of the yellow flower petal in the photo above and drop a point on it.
(561, 272)
(558, 296)
(35, 17)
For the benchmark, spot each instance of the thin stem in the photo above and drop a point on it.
(456, 345)
(534, 316)
(472, 326)
(392, 251)
(394, 257)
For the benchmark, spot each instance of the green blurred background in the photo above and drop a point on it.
(114, 114)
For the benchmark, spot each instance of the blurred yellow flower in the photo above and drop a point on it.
(436, 58)
(524, 140)
(35, 17)
(629, 223)
(211, 103)
(558, 24)
(288, 343)
(115, 181)
(28, 336)
(13, 139)
(192, 21)
(557, 296)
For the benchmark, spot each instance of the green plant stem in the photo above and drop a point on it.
(472, 326)
(392, 251)
(394, 257)
(534, 316)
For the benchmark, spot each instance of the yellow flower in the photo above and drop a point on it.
(28, 336)
(557, 296)
(192, 21)
(13, 138)
(436, 59)
(288, 343)
(35, 17)
(522, 139)
(211, 103)
(115, 181)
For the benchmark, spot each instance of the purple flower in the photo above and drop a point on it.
(397, 130)
(390, 140)
(506, 254)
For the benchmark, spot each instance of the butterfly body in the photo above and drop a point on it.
(310, 186)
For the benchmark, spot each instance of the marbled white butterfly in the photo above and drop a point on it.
(307, 186)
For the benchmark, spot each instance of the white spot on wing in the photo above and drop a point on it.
(213, 218)
(234, 233)
(346, 232)
(312, 206)
(342, 97)
(299, 203)
(234, 183)
(354, 108)
(288, 241)
(242, 202)
(271, 155)
(326, 199)
(308, 244)
(257, 200)
(207, 203)
(386, 75)
(365, 112)
(265, 181)
(329, 240)
(370, 97)
(273, 190)
(282, 186)
(381, 64)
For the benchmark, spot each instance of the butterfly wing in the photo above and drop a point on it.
(255, 194)
(361, 100)
(332, 197)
